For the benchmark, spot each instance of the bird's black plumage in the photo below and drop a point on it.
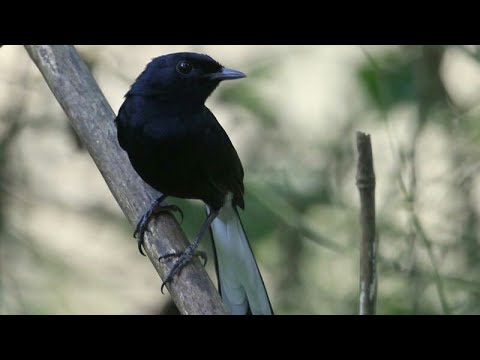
(177, 146)
(173, 140)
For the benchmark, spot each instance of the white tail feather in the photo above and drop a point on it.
(241, 284)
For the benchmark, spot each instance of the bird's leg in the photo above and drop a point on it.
(190, 251)
(155, 208)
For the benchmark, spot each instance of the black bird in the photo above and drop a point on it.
(178, 147)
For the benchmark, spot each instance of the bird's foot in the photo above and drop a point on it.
(154, 209)
(190, 251)
(183, 259)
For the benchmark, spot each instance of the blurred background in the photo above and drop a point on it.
(66, 248)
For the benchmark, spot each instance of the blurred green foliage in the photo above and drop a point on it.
(388, 80)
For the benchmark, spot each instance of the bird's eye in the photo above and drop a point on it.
(184, 67)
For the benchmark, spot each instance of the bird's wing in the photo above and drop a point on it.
(220, 160)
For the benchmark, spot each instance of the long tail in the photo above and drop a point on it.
(239, 280)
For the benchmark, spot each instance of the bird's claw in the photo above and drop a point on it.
(185, 258)
(190, 251)
(141, 248)
(142, 226)
(141, 229)
(201, 254)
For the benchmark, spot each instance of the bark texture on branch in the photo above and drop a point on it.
(92, 117)
(368, 248)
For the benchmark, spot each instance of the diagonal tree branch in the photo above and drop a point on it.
(92, 118)
(368, 248)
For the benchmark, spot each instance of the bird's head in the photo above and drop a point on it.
(182, 78)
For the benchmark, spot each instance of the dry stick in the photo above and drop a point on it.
(92, 117)
(368, 249)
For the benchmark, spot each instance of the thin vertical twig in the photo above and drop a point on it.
(422, 70)
(368, 249)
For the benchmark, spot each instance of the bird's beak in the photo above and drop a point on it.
(226, 74)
